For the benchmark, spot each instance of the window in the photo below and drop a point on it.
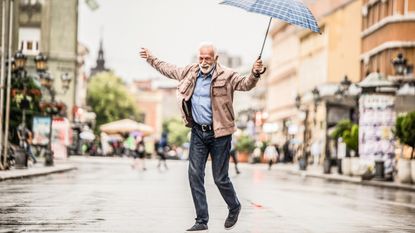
(411, 7)
(29, 39)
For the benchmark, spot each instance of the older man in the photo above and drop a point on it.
(205, 95)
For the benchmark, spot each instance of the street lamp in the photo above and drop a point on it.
(316, 95)
(303, 159)
(20, 60)
(399, 64)
(41, 63)
(298, 101)
(66, 80)
(345, 84)
(317, 99)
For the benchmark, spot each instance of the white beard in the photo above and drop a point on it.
(206, 69)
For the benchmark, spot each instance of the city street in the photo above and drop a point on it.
(107, 195)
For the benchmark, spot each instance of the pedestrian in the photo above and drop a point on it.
(287, 152)
(25, 139)
(315, 152)
(256, 154)
(139, 153)
(205, 95)
(129, 145)
(233, 154)
(271, 154)
(161, 154)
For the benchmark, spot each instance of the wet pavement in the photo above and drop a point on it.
(107, 195)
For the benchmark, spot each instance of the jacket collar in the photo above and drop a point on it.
(216, 72)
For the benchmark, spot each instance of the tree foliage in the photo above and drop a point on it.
(110, 99)
(349, 132)
(405, 130)
(25, 95)
(177, 132)
(245, 144)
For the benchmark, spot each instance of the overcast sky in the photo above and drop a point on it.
(172, 30)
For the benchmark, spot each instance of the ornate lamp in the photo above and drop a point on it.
(20, 60)
(298, 101)
(316, 95)
(41, 63)
(399, 64)
(345, 84)
(66, 80)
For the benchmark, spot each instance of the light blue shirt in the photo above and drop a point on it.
(201, 103)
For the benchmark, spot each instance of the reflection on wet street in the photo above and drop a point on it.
(106, 195)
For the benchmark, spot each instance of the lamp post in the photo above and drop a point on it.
(345, 84)
(18, 64)
(399, 64)
(316, 100)
(46, 81)
(303, 159)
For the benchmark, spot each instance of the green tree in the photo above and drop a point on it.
(110, 99)
(25, 94)
(245, 144)
(349, 132)
(405, 130)
(176, 130)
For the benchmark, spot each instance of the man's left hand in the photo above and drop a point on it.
(258, 67)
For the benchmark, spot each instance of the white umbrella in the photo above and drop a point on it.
(87, 135)
(126, 126)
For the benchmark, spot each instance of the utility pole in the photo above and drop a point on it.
(3, 55)
(9, 79)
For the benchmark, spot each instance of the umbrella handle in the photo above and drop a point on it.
(263, 68)
(262, 71)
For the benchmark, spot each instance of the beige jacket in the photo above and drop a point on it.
(224, 83)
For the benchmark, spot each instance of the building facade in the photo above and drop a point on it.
(388, 28)
(303, 61)
(49, 27)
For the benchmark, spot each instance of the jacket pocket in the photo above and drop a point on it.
(229, 110)
(184, 86)
(219, 88)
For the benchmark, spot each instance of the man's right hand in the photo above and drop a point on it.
(145, 53)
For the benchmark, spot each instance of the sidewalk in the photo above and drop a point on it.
(36, 170)
(317, 172)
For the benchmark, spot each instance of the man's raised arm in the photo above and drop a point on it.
(168, 70)
(246, 83)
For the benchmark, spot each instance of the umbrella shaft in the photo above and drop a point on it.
(265, 39)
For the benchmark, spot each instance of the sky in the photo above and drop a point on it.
(172, 30)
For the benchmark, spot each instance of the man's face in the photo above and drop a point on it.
(207, 60)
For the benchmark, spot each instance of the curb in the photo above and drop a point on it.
(354, 180)
(22, 174)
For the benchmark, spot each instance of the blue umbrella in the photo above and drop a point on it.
(290, 11)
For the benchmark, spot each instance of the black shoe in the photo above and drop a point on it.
(232, 218)
(198, 227)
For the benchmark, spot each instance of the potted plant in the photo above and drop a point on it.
(245, 145)
(405, 132)
(348, 133)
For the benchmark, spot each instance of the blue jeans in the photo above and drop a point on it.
(201, 145)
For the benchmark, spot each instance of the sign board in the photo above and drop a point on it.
(41, 130)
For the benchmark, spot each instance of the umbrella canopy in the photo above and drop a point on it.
(87, 135)
(290, 11)
(126, 126)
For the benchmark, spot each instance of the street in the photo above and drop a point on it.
(107, 195)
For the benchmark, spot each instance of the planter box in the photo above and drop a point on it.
(243, 157)
(404, 171)
(413, 170)
(346, 166)
(357, 168)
